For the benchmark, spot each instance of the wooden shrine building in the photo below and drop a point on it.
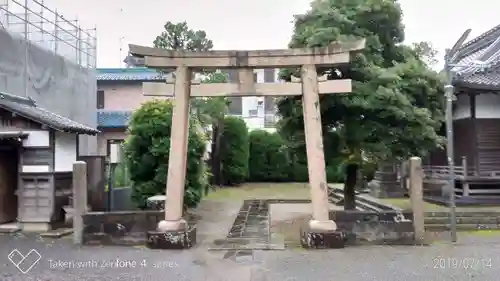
(476, 110)
(476, 119)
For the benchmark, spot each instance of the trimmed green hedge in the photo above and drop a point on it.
(271, 160)
(234, 151)
(268, 157)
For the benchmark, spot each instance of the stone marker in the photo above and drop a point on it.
(79, 199)
(416, 198)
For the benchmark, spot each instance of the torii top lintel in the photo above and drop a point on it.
(333, 54)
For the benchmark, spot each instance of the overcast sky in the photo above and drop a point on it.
(255, 24)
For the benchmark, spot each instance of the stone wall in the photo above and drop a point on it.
(55, 83)
(386, 227)
(121, 228)
(121, 199)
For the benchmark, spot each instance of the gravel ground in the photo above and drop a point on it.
(474, 258)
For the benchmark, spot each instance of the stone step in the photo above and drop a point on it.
(463, 220)
(9, 227)
(337, 195)
(464, 214)
(461, 227)
(57, 233)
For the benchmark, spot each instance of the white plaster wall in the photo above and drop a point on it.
(37, 139)
(487, 106)
(65, 152)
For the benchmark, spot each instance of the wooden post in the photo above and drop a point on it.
(416, 198)
(79, 199)
(464, 166)
(465, 183)
(315, 153)
(176, 178)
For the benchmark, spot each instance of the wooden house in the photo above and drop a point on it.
(476, 120)
(37, 151)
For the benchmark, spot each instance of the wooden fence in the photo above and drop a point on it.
(470, 182)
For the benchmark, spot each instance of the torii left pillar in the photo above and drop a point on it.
(174, 232)
(178, 153)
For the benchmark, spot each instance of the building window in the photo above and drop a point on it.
(255, 77)
(100, 99)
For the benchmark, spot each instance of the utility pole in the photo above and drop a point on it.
(450, 60)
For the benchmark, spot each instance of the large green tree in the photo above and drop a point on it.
(395, 108)
(211, 112)
(178, 36)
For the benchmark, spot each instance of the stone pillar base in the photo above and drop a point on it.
(322, 239)
(172, 239)
(35, 226)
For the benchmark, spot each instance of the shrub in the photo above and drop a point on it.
(234, 151)
(147, 151)
(335, 173)
(268, 160)
(121, 176)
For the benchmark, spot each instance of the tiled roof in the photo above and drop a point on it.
(129, 74)
(113, 119)
(28, 109)
(479, 63)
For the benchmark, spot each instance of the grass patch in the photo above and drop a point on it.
(404, 203)
(286, 190)
(262, 191)
(484, 232)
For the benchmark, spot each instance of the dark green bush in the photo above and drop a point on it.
(299, 173)
(268, 157)
(335, 173)
(147, 151)
(234, 151)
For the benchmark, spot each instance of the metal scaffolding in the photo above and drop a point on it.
(48, 29)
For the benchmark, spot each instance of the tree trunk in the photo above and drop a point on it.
(351, 175)
(216, 161)
(219, 138)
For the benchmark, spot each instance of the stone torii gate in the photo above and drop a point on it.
(321, 230)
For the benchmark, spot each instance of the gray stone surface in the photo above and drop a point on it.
(53, 82)
(474, 258)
